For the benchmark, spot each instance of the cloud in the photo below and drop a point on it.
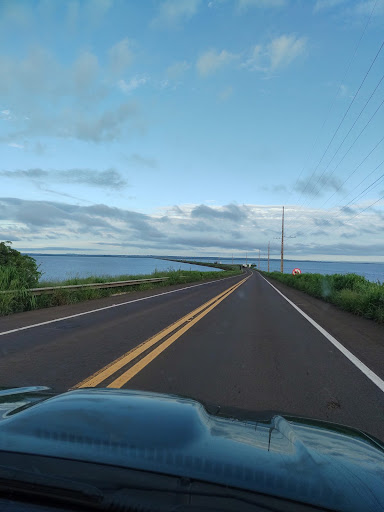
(121, 56)
(319, 185)
(184, 228)
(176, 70)
(78, 124)
(322, 5)
(230, 212)
(277, 54)
(86, 69)
(225, 93)
(358, 9)
(276, 188)
(15, 145)
(244, 5)
(76, 100)
(109, 178)
(365, 8)
(211, 61)
(142, 161)
(5, 115)
(284, 49)
(134, 83)
(171, 13)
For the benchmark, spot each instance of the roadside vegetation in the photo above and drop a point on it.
(18, 275)
(349, 292)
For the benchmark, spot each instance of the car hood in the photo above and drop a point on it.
(304, 460)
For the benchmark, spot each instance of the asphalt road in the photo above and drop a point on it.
(235, 342)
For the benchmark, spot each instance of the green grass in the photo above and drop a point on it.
(349, 292)
(23, 300)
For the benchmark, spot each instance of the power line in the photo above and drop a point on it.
(338, 91)
(343, 118)
(354, 171)
(342, 142)
(310, 230)
(364, 192)
(362, 181)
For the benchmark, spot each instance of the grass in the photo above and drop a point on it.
(222, 266)
(349, 292)
(23, 300)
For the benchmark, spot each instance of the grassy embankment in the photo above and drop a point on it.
(22, 300)
(349, 292)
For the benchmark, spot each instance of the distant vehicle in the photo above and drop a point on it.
(107, 449)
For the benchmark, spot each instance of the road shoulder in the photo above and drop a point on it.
(363, 337)
(19, 320)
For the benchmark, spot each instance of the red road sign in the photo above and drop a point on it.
(296, 271)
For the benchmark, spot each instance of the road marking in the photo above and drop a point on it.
(191, 318)
(109, 307)
(354, 360)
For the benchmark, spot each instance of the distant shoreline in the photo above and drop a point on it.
(216, 258)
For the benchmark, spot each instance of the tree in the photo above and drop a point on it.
(18, 265)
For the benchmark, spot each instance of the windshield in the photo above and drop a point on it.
(192, 203)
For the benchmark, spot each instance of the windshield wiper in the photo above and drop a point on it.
(40, 484)
(185, 493)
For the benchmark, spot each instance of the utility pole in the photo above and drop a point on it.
(282, 244)
(269, 243)
(246, 258)
(259, 259)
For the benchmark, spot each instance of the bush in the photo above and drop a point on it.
(16, 270)
(350, 292)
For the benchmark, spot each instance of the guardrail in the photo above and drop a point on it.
(112, 284)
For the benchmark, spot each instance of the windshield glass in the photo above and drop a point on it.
(192, 203)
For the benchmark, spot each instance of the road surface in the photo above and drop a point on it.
(236, 342)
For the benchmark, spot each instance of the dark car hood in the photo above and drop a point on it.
(330, 466)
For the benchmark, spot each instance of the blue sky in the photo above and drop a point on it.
(183, 126)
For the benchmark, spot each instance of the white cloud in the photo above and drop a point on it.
(70, 122)
(365, 8)
(73, 13)
(211, 61)
(16, 145)
(172, 13)
(284, 49)
(177, 69)
(185, 228)
(225, 93)
(247, 4)
(5, 115)
(121, 56)
(254, 61)
(134, 83)
(343, 90)
(322, 5)
(277, 54)
(360, 9)
(85, 70)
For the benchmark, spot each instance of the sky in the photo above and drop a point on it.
(184, 126)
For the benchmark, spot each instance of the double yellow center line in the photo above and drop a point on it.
(181, 326)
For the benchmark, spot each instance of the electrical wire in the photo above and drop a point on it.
(342, 142)
(338, 91)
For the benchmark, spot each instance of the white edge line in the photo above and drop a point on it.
(110, 307)
(361, 366)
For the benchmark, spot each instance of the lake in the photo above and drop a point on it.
(371, 271)
(60, 267)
